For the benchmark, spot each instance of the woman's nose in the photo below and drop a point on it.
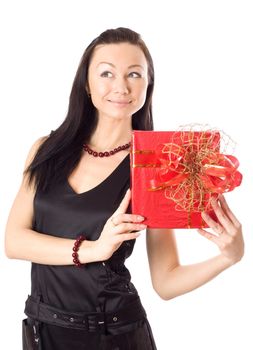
(120, 86)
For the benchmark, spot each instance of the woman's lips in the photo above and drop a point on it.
(116, 101)
(120, 103)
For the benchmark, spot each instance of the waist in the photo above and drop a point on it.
(90, 321)
(91, 283)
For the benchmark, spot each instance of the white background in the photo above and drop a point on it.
(202, 52)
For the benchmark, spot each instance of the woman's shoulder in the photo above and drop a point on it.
(34, 148)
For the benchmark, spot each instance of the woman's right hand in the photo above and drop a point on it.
(119, 227)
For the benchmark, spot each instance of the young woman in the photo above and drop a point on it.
(71, 216)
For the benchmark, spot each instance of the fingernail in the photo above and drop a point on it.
(140, 218)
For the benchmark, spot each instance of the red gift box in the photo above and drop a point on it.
(175, 174)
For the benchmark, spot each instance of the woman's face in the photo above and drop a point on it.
(118, 80)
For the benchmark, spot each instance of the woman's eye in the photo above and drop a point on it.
(106, 74)
(135, 75)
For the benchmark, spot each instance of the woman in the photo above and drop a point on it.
(71, 216)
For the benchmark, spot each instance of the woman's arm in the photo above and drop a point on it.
(171, 279)
(22, 242)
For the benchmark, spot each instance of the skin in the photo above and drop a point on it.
(117, 83)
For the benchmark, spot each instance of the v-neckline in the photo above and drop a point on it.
(101, 183)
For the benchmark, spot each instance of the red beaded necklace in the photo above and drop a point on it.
(105, 154)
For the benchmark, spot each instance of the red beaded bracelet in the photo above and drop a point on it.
(75, 249)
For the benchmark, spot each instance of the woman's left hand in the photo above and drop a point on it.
(228, 231)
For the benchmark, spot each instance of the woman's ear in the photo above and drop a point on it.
(87, 89)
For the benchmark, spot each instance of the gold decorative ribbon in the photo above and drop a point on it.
(190, 169)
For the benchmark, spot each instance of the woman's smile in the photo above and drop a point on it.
(119, 103)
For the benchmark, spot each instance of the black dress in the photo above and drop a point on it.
(100, 286)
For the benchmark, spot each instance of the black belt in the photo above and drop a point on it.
(91, 321)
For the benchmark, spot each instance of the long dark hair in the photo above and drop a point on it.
(59, 154)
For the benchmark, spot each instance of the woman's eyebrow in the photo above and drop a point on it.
(136, 65)
(112, 65)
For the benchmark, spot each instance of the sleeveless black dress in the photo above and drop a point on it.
(100, 286)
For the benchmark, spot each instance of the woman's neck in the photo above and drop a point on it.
(111, 133)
